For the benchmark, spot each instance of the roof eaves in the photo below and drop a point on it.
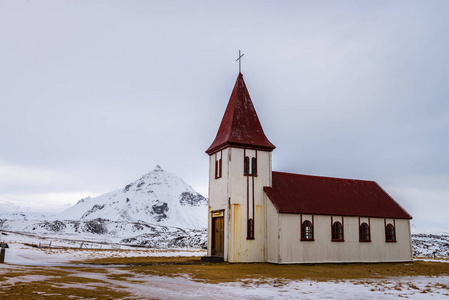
(238, 145)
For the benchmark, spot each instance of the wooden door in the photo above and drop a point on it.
(218, 236)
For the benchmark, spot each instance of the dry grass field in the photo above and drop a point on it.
(58, 283)
(118, 278)
(226, 272)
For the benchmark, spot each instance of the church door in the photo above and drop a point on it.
(218, 236)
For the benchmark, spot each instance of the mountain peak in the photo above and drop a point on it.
(158, 197)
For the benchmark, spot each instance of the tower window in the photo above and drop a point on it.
(250, 166)
(337, 232)
(218, 166)
(253, 166)
(390, 233)
(307, 231)
(365, 233)
(250, 234)
(246, 166)
(216, 169)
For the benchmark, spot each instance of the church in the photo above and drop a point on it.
(259, 215)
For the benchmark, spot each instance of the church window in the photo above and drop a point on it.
(307, 231)
(250, 234)
(216, 169)
(218, 166)
(246, 166)
(337, 232)
(365, 233)
(253, 166)
(390, 234)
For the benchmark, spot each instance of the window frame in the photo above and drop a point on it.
(249, 164)
(250, 229)
(246, 165)
(304, 233)
(390, 233)
(218, 166)
(254, 166)
(341, 235)
(364, 236)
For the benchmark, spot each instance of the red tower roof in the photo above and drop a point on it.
(240, 126)
(305, 194)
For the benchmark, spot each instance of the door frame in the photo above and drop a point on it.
(218, 214)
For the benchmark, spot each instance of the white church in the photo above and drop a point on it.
(258, 215)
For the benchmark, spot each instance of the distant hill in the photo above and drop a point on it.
(157, 210)
(158, 197)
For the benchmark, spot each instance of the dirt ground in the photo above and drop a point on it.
(111, 278)
(226, 272)
(57, 283)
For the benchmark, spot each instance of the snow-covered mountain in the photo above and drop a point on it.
(158, 197)
(158, 210)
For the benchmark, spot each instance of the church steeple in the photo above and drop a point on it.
(240, 126)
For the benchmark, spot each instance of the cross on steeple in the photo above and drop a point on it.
(238, 59)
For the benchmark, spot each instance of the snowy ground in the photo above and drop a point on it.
(161, 287)
(19, 254)
(158, 287)
(24, 260)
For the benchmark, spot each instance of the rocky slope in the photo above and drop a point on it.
(430, 245)
(111, 232)
(158, 197)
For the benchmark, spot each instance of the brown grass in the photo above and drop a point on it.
(105, 283)
(225, 272)
(57, 284)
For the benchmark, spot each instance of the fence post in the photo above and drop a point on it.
(2, 252)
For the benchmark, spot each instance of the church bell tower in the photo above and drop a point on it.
(239, 168)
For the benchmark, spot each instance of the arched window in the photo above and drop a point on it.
(365, 233)
(253, 166)
(246, 166)
(307, 231)
(337, 232)
(390, 233)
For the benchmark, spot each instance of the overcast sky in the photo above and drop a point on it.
(94, 94)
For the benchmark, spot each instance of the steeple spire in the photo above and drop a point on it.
(240, 126)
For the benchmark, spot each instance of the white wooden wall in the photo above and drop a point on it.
(230, 193)
(287, 246)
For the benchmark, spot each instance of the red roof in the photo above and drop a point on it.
(240, 126)
(305, 194)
